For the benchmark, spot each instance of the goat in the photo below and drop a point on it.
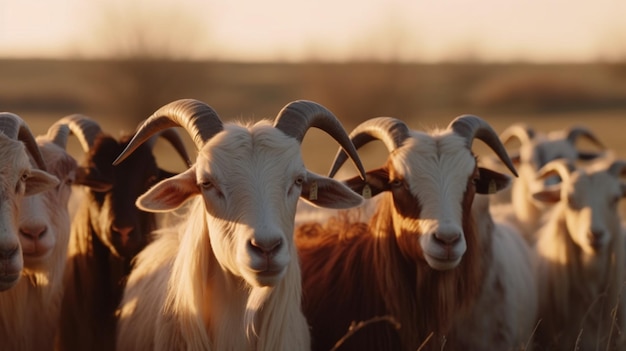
(430, 257)
(535, 151)
(581, 258)
(29, 316)
(17, 180)
(107, 232)
(228, 277)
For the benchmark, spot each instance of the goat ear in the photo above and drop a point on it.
(39, 181)
(490, 182)
(549, 195)
(90, 177)
(169, 194)
(377, 181)
(329, 193)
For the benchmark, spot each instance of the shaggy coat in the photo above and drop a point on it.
(29, 317)
(582, 260)
(476, 294)
(227, 277)
(18, 179)
(107, 232)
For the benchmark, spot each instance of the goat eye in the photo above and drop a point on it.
(69, 181)
(396, 183)
(207, 184)
(299, 181)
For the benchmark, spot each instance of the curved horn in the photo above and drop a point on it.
(472, 127)
(617, 168)
(14, 127)
(172, 136)
(522, 132)
(558, 167)
(578, 131)
(196, 117)
(391, 131)
(84, 128)
(58, 134)
(298, 116)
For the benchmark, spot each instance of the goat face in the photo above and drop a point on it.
(18, 179)
(432, 180)
(250, 181)
(45, 216)
(590, 197)
(112, 193)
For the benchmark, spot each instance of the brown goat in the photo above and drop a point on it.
(107, 232)
(430, 257)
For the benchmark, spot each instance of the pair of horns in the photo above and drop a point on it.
(393, 132)
(202, 123)
(525, 134)
(87, 131)
(14, 127)
(563, 169)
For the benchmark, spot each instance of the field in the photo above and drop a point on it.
(120, 94)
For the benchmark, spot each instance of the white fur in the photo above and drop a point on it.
(437, 168)
(506, 310)
(524, 211)
(197, 286)
(29, 315)
(581, 285)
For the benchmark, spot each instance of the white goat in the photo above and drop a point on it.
(29, 316)
(431, 256)
(535, 150)
(228, 277)
(17, 179)
(582, 258)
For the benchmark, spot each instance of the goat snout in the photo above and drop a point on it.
(123, 231)
(34, 232)
(447, 238)
(267, 247)
(9, 253)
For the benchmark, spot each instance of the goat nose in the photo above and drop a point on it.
(8, 253)
(34, 232)
(266, 247)
(123, 231)
(447, 238)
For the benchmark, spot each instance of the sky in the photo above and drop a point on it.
(336, 30)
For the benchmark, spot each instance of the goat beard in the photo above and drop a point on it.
(256, 300)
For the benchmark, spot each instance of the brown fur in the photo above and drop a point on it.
(361, 274)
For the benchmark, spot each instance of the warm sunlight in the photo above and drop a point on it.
(516, 30)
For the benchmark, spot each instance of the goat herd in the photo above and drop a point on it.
(431, 251)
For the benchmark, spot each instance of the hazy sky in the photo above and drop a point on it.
(427, 30)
